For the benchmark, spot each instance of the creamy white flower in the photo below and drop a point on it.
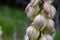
(49, 26)
(33, 11)
(46, 7)
(50, 10)
(39, 21)
(26, 37)
(46, 37)
(32, 33)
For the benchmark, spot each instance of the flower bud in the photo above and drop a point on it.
(46, 7)
(26, 37)
(46, 37)
(32, 32)
(39, 21)
(33, 11)
(50, 10)
(50, 26)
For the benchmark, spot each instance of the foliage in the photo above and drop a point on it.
(12, 19)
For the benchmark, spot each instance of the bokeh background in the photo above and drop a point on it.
(14, 21)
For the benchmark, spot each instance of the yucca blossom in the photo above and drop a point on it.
(33, 11)
(49, 26)
(32, 33)
(46, 37)
(39, 21)
(49, 9)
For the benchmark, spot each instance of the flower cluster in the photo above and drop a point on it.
(42, 22)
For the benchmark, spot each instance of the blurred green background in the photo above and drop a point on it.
(13, 22)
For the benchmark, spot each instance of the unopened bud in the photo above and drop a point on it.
(26, 37)
(39, 21)
(46, 7)
(33, 11)
(32, 32)
(50, 26)
(46, 37)
(50, 10)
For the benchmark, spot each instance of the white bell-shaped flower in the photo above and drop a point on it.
(46, 7)
(50, 10)
(46, 37)
(39, 21)
(32, 33)
(49, 26)
(33, 11)
(26, 37)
